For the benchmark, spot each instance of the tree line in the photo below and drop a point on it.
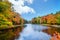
(53, 18)
(8, 17)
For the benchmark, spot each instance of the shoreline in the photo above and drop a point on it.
(14, 26)
(57, 26)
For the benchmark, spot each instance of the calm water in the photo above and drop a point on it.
(33, 32)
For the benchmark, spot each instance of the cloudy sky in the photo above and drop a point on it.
(29, 9)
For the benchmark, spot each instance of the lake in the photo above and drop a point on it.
(34, 32)
(28, 32)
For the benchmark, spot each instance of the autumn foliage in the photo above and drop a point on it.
(48, 19)
(7, 16)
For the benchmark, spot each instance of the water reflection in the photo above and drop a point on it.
(10, 34)
(30, 32)
(39, 27)
(34, 32)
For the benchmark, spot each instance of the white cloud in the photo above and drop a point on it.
(29, 1)
(21, 8)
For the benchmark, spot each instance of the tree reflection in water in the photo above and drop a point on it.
(10, 34)
(32, 32)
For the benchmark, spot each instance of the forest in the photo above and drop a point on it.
(52, 18)
(9, 18)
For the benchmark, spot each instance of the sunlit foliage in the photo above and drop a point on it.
(8, 17)
(48, 19)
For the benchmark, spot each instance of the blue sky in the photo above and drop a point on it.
(35, 8)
